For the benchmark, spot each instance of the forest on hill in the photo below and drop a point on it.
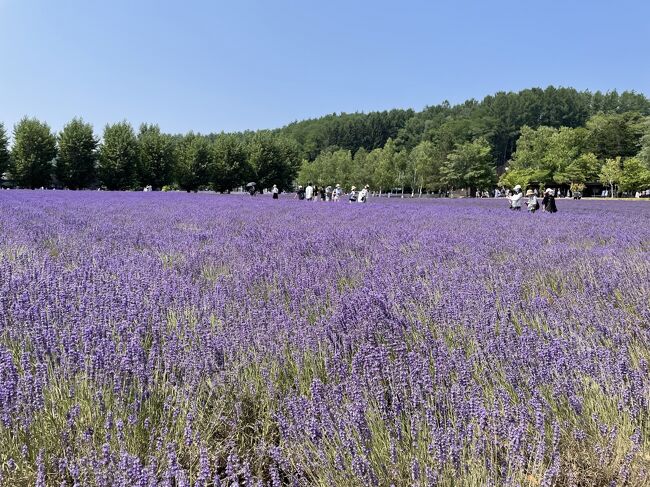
(546, 137)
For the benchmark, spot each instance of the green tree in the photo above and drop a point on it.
(362, 167)
(613, 135)
(193, 161)
(156, 157)
(33, 153)
(580, 170)
(635, 175)
(118, 156)
(329, 168)
(273, 160)
(386, 165)
(611, 173)
(470, 165)
(75, 164)
(423, 167)
(644, 153)
(548, 156)
(4, 151)
(230, 166)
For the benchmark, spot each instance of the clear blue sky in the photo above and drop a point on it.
(247, 64)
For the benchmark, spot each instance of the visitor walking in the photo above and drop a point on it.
(309, 192)
(548, 202)
(275, 192)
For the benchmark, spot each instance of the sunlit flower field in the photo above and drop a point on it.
(168, 339)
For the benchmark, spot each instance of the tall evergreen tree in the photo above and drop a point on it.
(33, 153)
(75, 164)
(118, 155)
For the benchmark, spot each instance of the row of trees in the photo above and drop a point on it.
(613, 149)
(124, 159)
(498, 118)
(468, 165)
(545, 136)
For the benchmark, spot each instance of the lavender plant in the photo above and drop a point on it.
(177, 340)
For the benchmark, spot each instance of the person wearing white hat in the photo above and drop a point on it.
(532, 203)
(548, 202)
(336, 194)
(515, 199)
(353, 194)
(363, 194)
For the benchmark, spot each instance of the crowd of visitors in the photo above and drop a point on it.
(532, 204)
(328, 193)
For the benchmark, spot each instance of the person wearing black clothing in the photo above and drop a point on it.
(301, 193)
(548, 203)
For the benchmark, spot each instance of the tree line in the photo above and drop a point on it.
(552, 136)
(75, 158)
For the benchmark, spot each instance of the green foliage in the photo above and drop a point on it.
(611, 173)
(424, 169)
(75, 164)
(273, 160)
(635, 176)
(470, 165)
(549, 136)
(230, 166)
(32, 154)
(328, 168)
(194, 157)
(551, 156)
(118, 156)
(389, 162)
(156, 157)
(644, 153)
(583, 168)
(615, 135)
(4, 151)
(346, 131)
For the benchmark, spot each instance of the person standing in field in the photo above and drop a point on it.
(300, 194)
(515, 199)
(336, 194)
(548, 202)
(532, 203)
(328, 193)
(275, 191)
(353, 194)
(309, 192)
(363, 194)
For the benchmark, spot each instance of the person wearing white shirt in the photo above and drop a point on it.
(363, 195)
(532, 204)
(309, 192)
(515, 199)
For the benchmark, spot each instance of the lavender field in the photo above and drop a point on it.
(175, 339)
